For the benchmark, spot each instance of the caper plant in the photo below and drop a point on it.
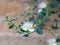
(39, 14)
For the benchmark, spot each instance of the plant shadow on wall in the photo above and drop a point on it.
(37, 15)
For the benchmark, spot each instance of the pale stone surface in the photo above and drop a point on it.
(11, 7)
(17, 39)
(7, 38)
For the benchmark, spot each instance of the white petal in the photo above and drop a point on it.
(40, 10)
(42, 5)
(27, 25)
(53, 44)
(24, 28)
(31, 30)
(51, 40)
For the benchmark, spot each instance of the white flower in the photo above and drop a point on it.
(42, 5)
(51, 42)
(31, 30)
(40, 10)
(28, 26)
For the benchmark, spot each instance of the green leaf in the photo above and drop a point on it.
(22, 22)
(58, 1)
(59, 16)
(31, 18)
(52, 12)
(39, 31)
(35, 1)
(58, 40)
(53, 3)
(49, 13)
(56, 20)
(25, 35)
(54, 27)
(19, 25)
(40, 21)
(6, 18)
(22, 30)
(27, 31)
(11, 26)
(41, 15)
(41, 26)
(44, 11)
(36, 22)
(28, 13)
